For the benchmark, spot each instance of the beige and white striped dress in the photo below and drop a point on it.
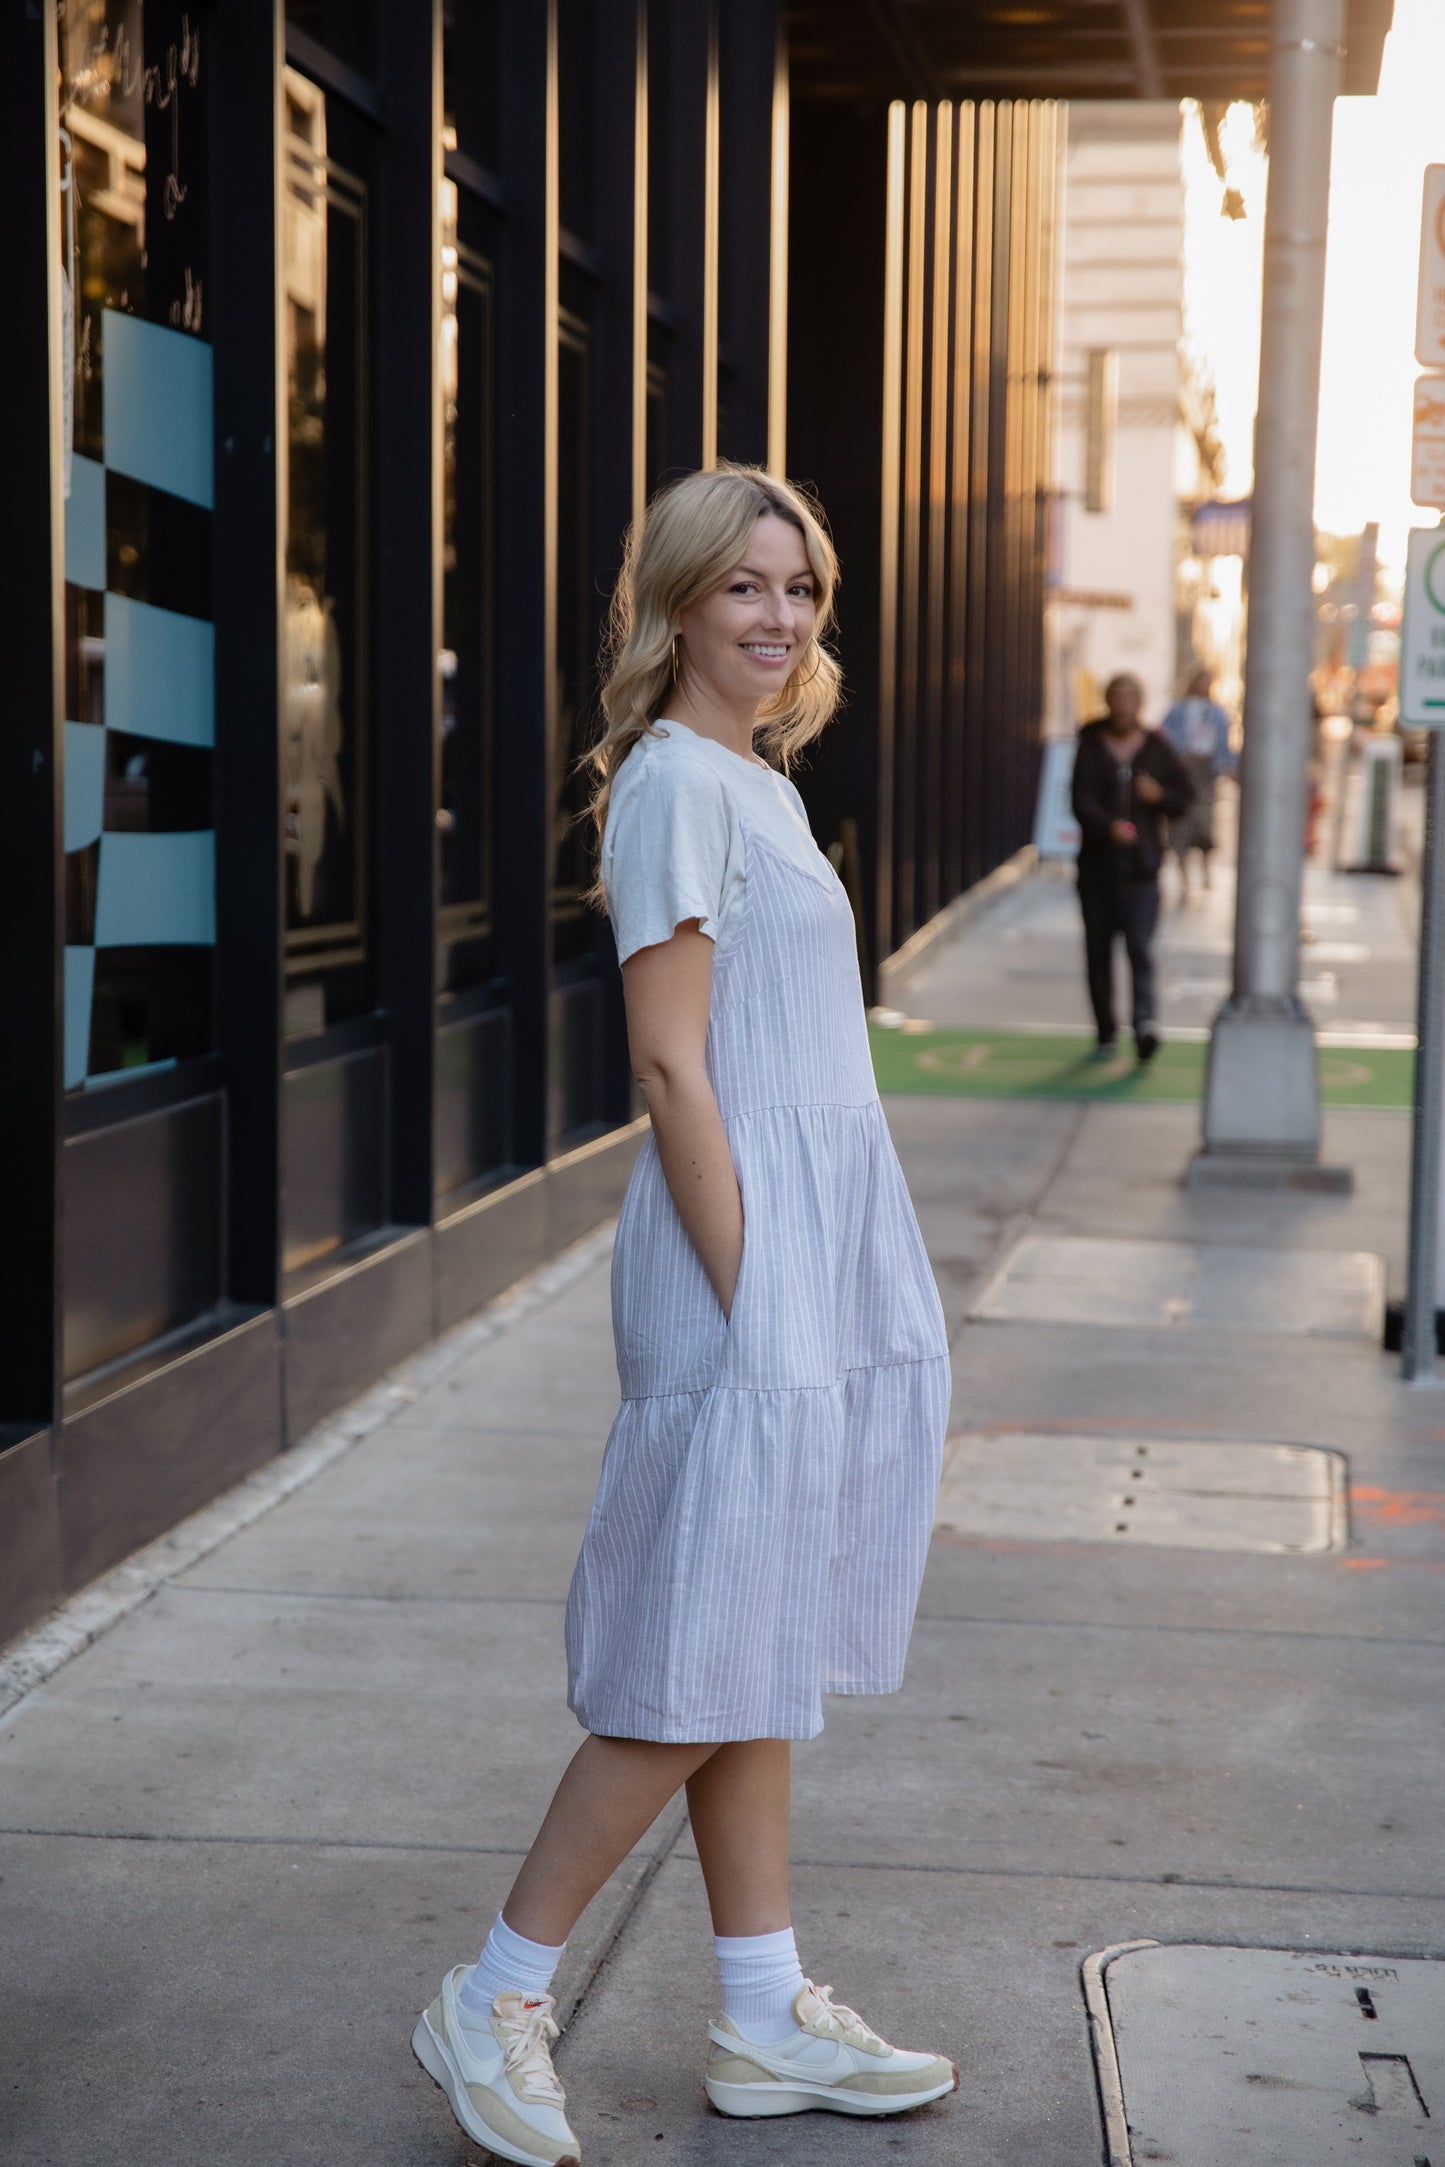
(768, 1488)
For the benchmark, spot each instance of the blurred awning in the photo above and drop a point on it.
(1220, 528)
(1205, 49)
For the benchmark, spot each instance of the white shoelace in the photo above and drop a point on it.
(838, 2017)
(527, 2054)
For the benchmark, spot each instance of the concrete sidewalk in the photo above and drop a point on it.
(1021, 965)
(242, 1833)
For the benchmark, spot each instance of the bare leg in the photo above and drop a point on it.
(613, 1791)
(738, 1804)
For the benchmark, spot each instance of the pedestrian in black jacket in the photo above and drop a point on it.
(1127, 781)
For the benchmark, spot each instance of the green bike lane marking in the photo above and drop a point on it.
(1019, 1064)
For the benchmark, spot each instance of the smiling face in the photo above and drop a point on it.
(741, 641)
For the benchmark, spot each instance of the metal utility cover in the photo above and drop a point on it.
(1177, 1493)
(1069, 1279)
(1268, 2057)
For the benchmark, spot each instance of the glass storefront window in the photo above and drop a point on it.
(137, 466)
(471, 80)
(346, 28)
(576, 84)
(656, 424)
(659, 152)
(464, 811)
(323, 717)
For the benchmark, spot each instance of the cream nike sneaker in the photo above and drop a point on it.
(832, 2060)
(499, 2077)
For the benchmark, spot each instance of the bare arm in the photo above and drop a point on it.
(667, 990)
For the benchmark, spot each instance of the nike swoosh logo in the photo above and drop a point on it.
(782, 2065)
(474, 2070)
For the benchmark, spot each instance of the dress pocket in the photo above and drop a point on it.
(734, 1314)
(666, 1318)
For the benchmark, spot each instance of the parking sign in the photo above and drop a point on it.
(1430, 307)
(1422, 635)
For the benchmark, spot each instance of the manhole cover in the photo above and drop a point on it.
(1268, 2057)
(1154, 1490)
(1073, 1279)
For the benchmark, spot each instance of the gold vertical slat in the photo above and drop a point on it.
(1013, 413)
(778, 266)
(1028, 392)
(710, 152)
(1001, 566)
(1032, 507)
(932, 806)
(890, 494)
(961, 386)
(640, 272)
(962, 375)
(983, 299)
(982, 320)
(1017, 394)
(913, 363)
(975, 749)
(911, 599)
(1030, 359)
(942, 276)
(1048, 241)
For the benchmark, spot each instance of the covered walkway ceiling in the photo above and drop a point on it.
(1206, 49)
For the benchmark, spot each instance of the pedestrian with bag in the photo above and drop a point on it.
(768, 1488)
(1128, 780)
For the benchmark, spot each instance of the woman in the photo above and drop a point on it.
(768, 1488)
(1198, 729)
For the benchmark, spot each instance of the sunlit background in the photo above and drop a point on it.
(1382, 145)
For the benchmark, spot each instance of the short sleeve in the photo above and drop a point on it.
(667, 853)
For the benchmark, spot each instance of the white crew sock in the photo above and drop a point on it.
(761, 1978)
(508, 1964)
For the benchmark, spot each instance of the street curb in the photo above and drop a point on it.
(895, 971)
(1117, 2149)
(39, 1654)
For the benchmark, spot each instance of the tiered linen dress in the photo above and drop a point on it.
(768, 1488)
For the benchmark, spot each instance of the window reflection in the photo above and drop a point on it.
(466, 659)
(346, 28)
(656, 425)
(137, 482)
(659, 151)
(471, 79)
(576, 87)
(323, 700)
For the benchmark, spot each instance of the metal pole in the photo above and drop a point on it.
(1262, 1095)
(1417, 1352)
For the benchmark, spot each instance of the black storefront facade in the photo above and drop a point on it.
(345, 339)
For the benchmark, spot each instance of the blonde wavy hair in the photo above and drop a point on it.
(693, 533)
